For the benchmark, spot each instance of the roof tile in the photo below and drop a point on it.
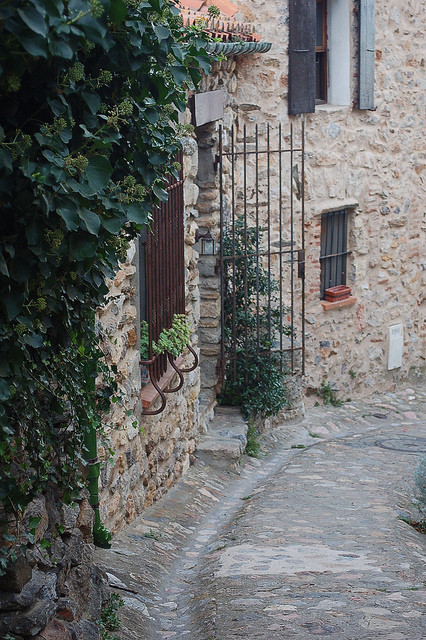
(227, 8)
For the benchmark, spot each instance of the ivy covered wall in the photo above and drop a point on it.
(89, 99)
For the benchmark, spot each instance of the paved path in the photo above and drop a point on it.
(304, 542)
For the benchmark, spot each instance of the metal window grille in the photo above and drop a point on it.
(334, 252)
(162, 270)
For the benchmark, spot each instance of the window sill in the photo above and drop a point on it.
(331, 108)
(149, 393)
(347, 302)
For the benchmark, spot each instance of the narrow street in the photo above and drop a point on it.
(309, 540)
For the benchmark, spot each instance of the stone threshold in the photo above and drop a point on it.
(226, 439)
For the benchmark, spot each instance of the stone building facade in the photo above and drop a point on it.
(370, 162)
(366, 162)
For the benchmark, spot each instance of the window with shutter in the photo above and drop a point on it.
(320, 55)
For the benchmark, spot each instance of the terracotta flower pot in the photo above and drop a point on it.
(335, 294)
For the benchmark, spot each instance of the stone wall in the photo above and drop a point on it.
(372, 162)
(149, 452)
(54, 592)
(223, 78)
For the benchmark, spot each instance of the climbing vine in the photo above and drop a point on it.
(90, 92)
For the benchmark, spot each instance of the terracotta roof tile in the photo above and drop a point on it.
(224, 27)
(195, 5)
(227, 8)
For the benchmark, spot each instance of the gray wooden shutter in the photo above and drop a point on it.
(301, 73)
(367, 14)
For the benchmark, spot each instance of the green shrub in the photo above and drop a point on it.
(254, 375)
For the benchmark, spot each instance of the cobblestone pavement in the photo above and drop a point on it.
(307, 541)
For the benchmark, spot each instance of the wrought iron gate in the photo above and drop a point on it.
(262, 250)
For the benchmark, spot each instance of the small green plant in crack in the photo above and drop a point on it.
(328, 395)
(314, 435)
(353, 374)
(109, 618)
(151, 534)
(298, 446)
(420, 494)
(253, 446)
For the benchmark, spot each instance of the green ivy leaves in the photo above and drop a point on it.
(88, 131)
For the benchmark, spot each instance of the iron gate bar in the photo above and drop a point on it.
(252, 153)
(281, 235)
(292, 244)
(257, 241)
(234, 310)
(302, 179)
(221, 254)
(268, 164)
(263, 253)
(245, 251)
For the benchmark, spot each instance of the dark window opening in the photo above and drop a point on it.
(321, 52)
(334, 251)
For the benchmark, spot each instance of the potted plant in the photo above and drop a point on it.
(173, 340)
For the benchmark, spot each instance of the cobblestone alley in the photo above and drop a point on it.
(308, 541)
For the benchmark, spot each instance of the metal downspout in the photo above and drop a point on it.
(101, 535)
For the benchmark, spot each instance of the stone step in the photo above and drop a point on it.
(224, 443)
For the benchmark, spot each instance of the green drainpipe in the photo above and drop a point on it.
(101, 535)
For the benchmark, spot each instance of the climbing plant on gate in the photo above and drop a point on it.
(90, 92)
(254, 374)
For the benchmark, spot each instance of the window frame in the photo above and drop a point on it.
(321, 56)
(302, 55)
(334, 249)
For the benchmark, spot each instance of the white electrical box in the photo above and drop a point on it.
(396, 346)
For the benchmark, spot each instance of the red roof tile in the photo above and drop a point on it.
(224, 27)
(227, 8)
(195, 5)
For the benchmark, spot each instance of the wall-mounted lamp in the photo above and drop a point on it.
(207, 243)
